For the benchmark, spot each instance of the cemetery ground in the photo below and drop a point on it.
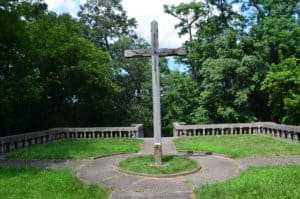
(246, 166)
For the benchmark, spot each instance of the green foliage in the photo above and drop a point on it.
(178, 99)
(76, 149)
(30, 183)
(277, 38)
(255, 10)
(171, 164)
(108, 26)
(134, 78)
(238, 145)
(49, 66)
(263, 182)
(229, 81)
(74, 69)
(283, 83)
(105, 21)
(230, 55)
(190, 15)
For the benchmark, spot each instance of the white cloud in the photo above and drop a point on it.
(62, 6)
(146, 11)
(236, 7)
(143, 10)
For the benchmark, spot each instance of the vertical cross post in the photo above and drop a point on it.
(154, 53)
(156, 94)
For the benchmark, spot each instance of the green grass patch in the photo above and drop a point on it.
(23, 183)
(238, 146)
(78, 149)
(264, 182)
(171, 164)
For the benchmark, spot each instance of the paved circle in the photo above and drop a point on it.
(103, 172)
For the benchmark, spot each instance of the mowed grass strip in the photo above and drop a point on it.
(238, 145)
(171, 164)
(264, 182)
(78, 149)
(28, 183)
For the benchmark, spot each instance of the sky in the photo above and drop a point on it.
(144, 11)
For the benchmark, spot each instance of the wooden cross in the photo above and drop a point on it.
(155, 52)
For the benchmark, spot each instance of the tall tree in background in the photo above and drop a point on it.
(107, 25)
(105, 22)
(19, 83)
(243, 66)
(190, 16)
(75, 72)
(230, 82)
(179, 92)
(231, 54)
(283, 85)
(50, 67)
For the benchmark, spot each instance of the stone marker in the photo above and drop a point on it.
(155, 52)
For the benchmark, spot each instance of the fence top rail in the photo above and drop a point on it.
(202, 126)
(94, 129)
(31, 135)
(25, 136)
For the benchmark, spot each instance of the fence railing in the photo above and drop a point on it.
(267, 128)
(10, 143)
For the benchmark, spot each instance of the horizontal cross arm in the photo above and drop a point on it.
(138, 53)
(161, 52)
(172, 52)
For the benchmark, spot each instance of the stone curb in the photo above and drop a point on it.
(112, 154)
(184, 173)
(204, 153)
(91, 158)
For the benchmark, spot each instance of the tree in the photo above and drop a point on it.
(276, 38)
(256, 10)
(227, 88)
(190, 16)
(283, 85)
(18, 83)
(107, 25)
(105, 22)
(178, 99)
(51, 67)
(74, 71)
(230, 55)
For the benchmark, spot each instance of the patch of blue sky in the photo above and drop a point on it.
(73, 6)
(174, 66)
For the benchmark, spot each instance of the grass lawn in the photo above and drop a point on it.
(171, 164)
(76, 149)
(238, 145)
(264, 182)
(30, 183)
